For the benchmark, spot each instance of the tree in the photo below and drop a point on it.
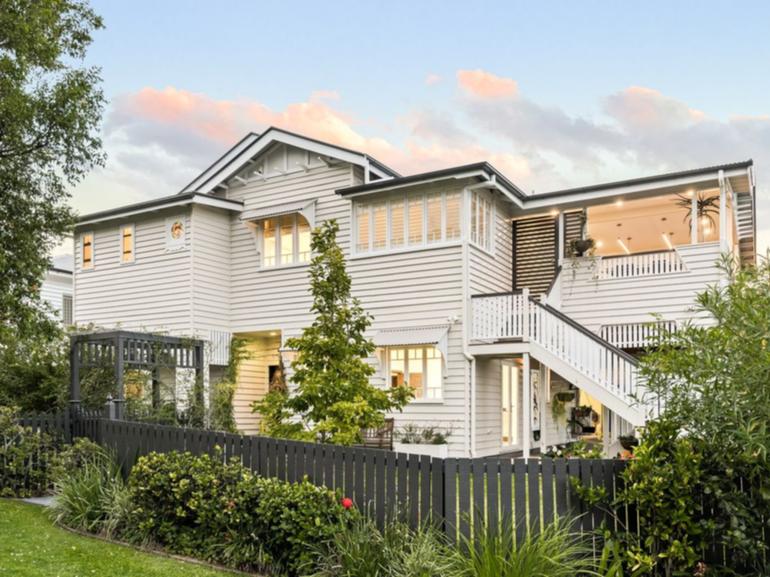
(714, 386)
(50, 109)
(334, 399)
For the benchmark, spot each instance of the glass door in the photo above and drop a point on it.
(509, 404)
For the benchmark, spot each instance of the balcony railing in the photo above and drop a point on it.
(641, 264)
(518, 316)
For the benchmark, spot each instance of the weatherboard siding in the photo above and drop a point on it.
(54, 287)
(152, 293)
(210, 270)
(594, 302)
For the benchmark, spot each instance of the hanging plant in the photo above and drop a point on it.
(707, 207)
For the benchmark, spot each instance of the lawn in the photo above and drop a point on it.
(30, 546)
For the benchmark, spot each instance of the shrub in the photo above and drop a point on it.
(90, 494)
(202, 507)
(554, 552)
(361, 550)
(27, 458)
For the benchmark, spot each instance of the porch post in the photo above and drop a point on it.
(545, 398)
(723, 246)
(560, 246)
(694, 218)
(526, 426)
(120, 400)
(74, 373)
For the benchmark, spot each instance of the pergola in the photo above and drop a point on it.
(130, 350)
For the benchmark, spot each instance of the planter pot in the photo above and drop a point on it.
(582, 246)
(628, 443)
(440, 451)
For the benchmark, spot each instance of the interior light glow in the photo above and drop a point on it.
(619, 203)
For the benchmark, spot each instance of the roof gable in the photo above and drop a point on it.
(279, 151)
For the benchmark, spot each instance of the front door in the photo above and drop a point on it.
(510, 402)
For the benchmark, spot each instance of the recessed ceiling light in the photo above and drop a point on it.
(664, 219)
(618, 224)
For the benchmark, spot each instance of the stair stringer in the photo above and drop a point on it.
(629, 411)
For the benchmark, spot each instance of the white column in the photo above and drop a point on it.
(545, 397)
(694, 218)
(723, 242)
(561, 239)
(526, 425)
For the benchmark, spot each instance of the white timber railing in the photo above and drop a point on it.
(635, 335)
(642, 264)
(518, 316)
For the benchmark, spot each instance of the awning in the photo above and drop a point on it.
(305, 208)
(427, 335)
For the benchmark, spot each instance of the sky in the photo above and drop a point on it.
(553, 94)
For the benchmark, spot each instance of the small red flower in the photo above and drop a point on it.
(347, 502)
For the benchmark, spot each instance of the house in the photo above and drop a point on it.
(56, 289)
(511, 340)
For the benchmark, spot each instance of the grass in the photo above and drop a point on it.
(31, 546)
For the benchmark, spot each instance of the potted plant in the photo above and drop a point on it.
(628, 442)
(581, 246)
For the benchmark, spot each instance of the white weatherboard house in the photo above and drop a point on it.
(56, 289)
(509, 340)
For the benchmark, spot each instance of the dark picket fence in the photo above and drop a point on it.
(457, 494)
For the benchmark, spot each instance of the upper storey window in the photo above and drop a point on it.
(482, 221)
(127, 243)
(413, 220)
(87, 250)
(285, 240)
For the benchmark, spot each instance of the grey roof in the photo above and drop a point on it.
(432, 175)
(646, 179)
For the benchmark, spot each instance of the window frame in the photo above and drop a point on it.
(65, 299)
(295, 235)
(425, 359)
(482, 207)
(366, 208)
(92, 261)
(121, 251)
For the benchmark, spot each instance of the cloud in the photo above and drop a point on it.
(432, 79)
(486, 85)
(158, 139)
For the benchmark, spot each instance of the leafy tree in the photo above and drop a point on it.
(50, 108)
(714, 385)
(334, 399)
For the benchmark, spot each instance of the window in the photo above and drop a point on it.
(66, 309)
(87, 250)
(411, 220)
(482, 221)
(127, 243)
(415, 220)
(434, 217)
(420, 368)
(453, 216)
(285, 240)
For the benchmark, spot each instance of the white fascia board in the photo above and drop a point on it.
(228, 157)
(202, 200)
(649, 188)
(268, 138)
(397, 186)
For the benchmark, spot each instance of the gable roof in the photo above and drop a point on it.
(482, 170)
(232, 161)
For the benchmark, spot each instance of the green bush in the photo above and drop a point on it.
(89, 491)
(361, 550)
(27, 458)
(201, 507)
(554, 552)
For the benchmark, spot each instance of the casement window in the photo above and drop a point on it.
(482, 221)
(414, 220)
(87, 250)
(419, 367)
(285, 240)
(66, 310)
(127, 243)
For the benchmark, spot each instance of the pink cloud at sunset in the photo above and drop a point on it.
(484, 84)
